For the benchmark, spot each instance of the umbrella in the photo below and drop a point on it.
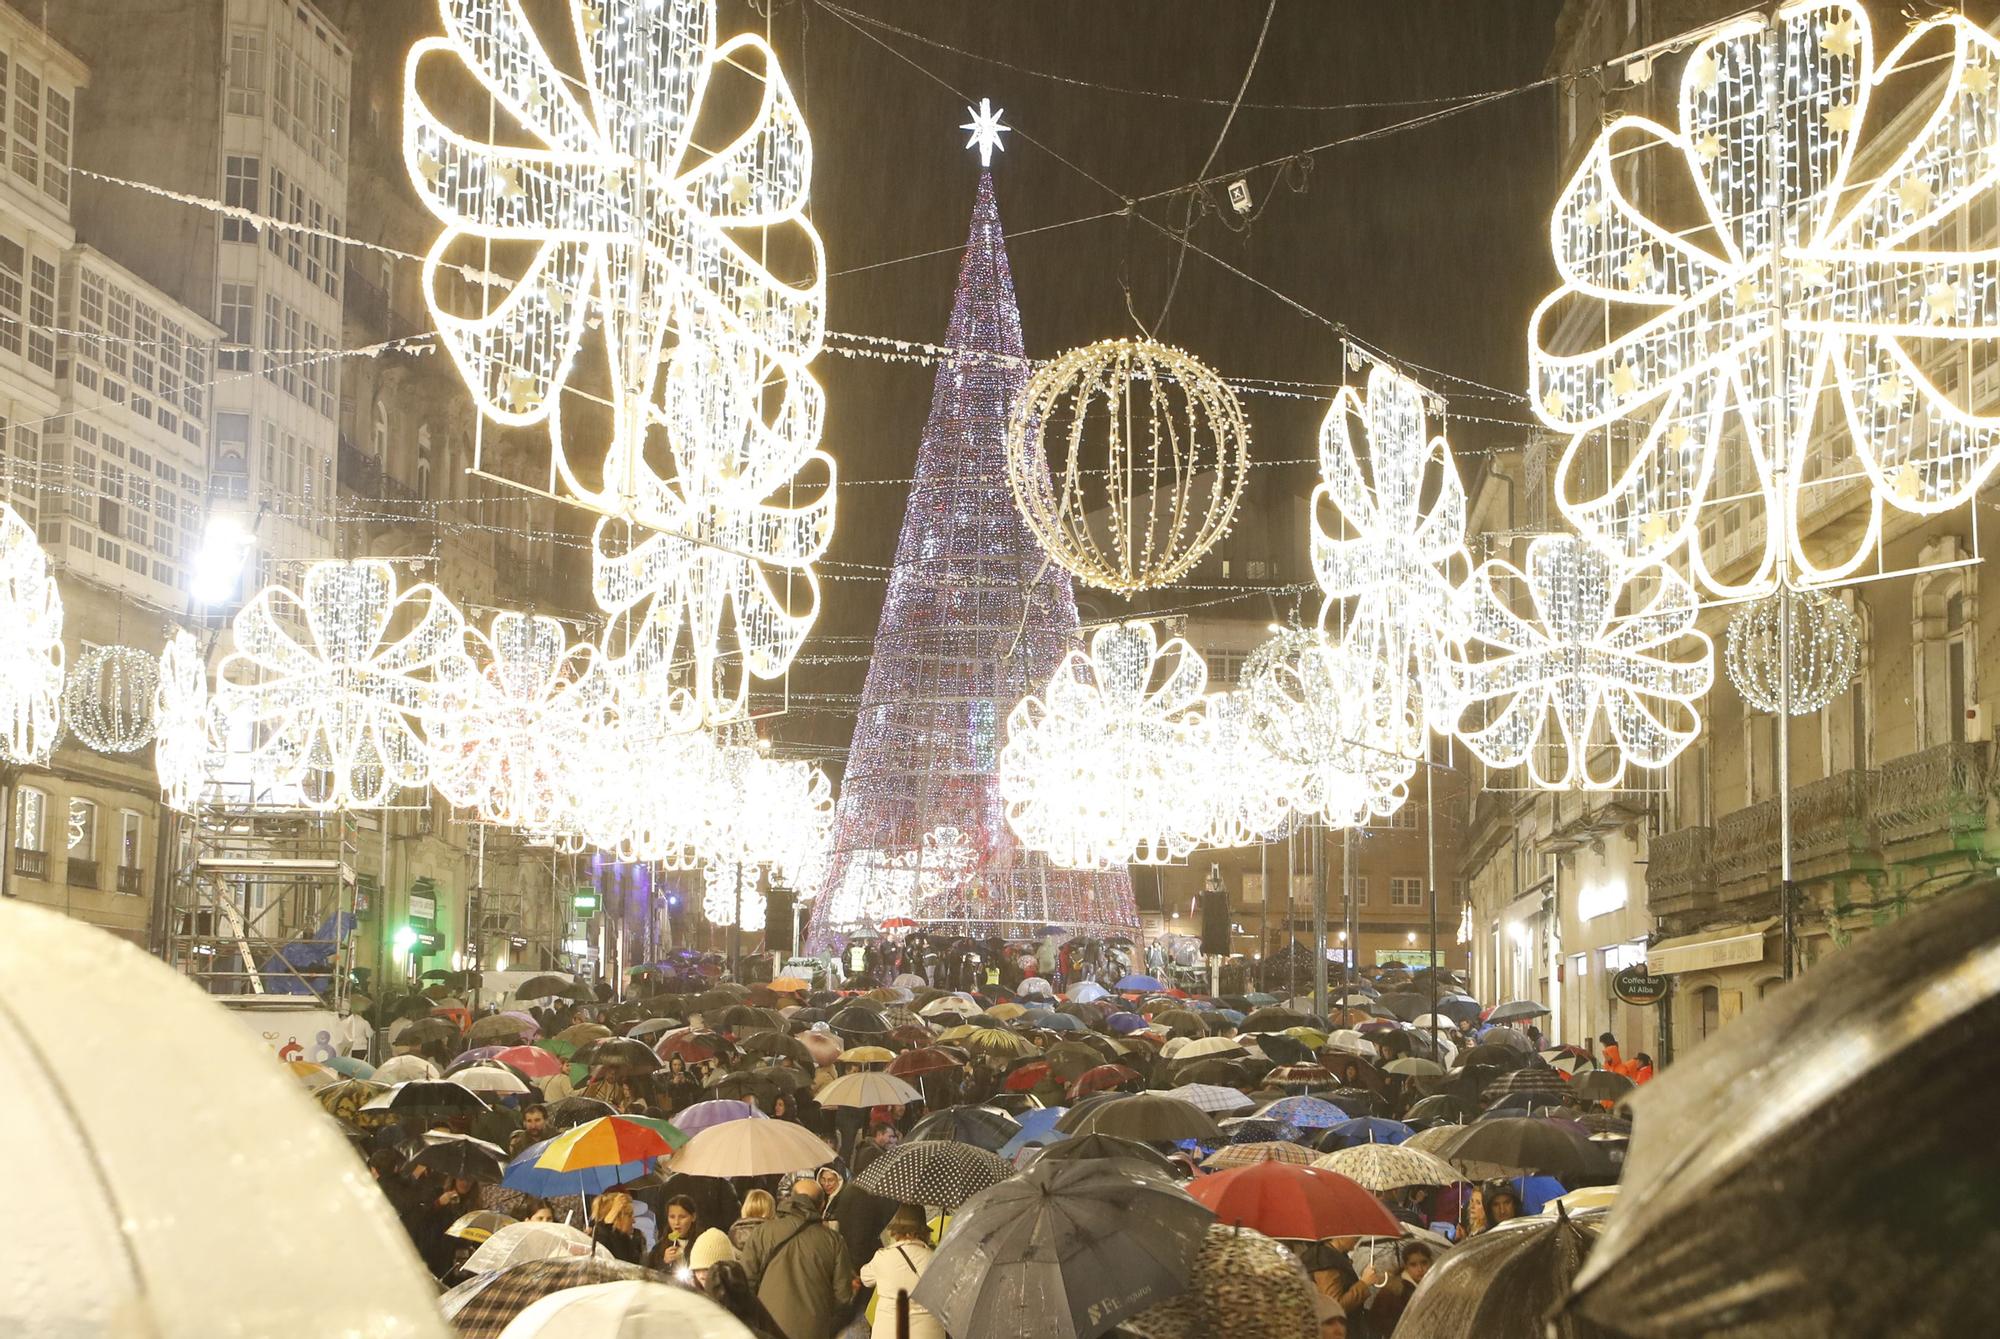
(1602, 1086)
(458, 1155)
(1531, 1079)
(1305, 1113)
(1257, 1129)
(1846, 1119)
(1211, 1047)
(1505, 1283)
(403, 1068)
(500, 1029)
(1438, 1107)
(1069, 1061)
(1084, 1146)
(313, 1076)
(488, 1079)
(1066, 1250)
(625, 1309)
(1520, 1144)
(1038, 1126)
(484, 1305)
(1103, 1078)
(1364, 1130)
(702, 1115)
(548, 987)
(582, 1034)
(618, 1055)
(1491, 1053)
(1245, 1286)
(609, 1141)
(752, 1148)
(351, 1067)
(347, 1102)
(932, 1172)
(691, 1046)
(1382, 1167)
(1025, 1078)
(867, 1055)
(1414, 1067)
(516, 1243)
(749, 1085)
(652, 1027)
(1150, 1117)
(868, 1089)
(996, 1042)
(1140, 983)
(924, 1060)
(574, 1111)
(532, 1061)
(1083, 992)
(428, 1097)
(523, 1174)
(1589, 1197)
(478, 1225)
(1515, 1009)
(1245, 1155)
(1212, 1097)
(779, 1045)
(983, 1127)
(1301, 1203)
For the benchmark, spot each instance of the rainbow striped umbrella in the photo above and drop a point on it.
(609, 1141)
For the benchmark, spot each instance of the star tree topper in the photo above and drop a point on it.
(986, 129)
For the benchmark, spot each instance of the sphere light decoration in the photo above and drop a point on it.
(333, 683)
(1101, 769)
(185, 747)
(1580, 665)
(1825, 651)
(31, 649)
(1337, 719)
(1388, 568)
(654, 248)
(1155, 454)
(1862, 267)
(108, 698)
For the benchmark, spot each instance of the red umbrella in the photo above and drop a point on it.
(1027, 1076)
(899, 923)
(532, 1061)
(1300, 1074)
(691, 1046)
(1296, 1203)
(926, 1060)
(1102, 1079)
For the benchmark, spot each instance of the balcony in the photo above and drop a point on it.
(1746, 850)
(361, 474)
(82, 873)
(131, 881)
(31, 864)
(367, 304)
(1680, 870)
(1833, 824)
(1932, 803)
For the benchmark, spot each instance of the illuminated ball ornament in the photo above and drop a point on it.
(1152, 453)
(31, 649)
(1580, 665)
(1851, 243)
(1825, 651)
(184, 744)
(108, 702)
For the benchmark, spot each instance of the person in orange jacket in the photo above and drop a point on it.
(1612, 1059)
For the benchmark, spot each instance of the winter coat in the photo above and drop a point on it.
(896, 1269)
(801, 1271)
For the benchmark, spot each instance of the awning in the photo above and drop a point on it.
(1728, 947)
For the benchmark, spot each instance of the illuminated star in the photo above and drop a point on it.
(739, 188)
(1554, 403)
(1638, 268)
(1942, 300)
(507, 179)
(593, 21)
(1593, 214)
(1709, 149)
(1677, 436)
(1979, 78)
(1840, 38)
(1840, 120)
(430, 167)
(1915, 194)
(1889, 392)
(520, 391)
(986, 130)
(1814, 273)
(1653, 531)
(1702, 73)
(1746, 294)
(1905, 482)
(1624, 380)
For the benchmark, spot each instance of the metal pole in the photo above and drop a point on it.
(1263, 907)
(1291, 958)
(1353, 913)
(736, 932)
(1430, 875)
(1319, 922)
(1776, 118)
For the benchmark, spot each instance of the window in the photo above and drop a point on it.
(315, 217)
(1707, 1012)
(145, 346)
(1845, 724)
(332, 284)
(118, 326)
(281, 86)
(246, 74)
(1957, 664)
(289, 371)
(1944, 636)
(31, 820)
(131, 843)
(55, 148)
(13, 281)
(1760, 755)
(1360, 889)
(82, 844)
(378, 437)
(1406, 892)
(42, 314)
(232, 442)
(1579, 966)
(275, 197)
(274, 337)
(295, 214)
(27, 127)
(240, 176)
(237, 315)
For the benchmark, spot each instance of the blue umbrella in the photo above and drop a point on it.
(1037, 1127)
(716, 1111)
(524, 1176)
(1261, 1129)
(1061, 1023)
(1537, 1191)
(1307, 1113)
(1140, 983)
(1124, 1024)
(1364, 1130)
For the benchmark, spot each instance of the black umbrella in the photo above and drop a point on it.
(1152, 1118)
(1525, 1143)
(1514, 1010)
(572, 1111)
(1503, 1284)
(1528, 1079)
(1844, 1123)
(1284, 1050)
(1356, 1101)
(1438, 1107)
(1107, 1146)
(933, 1172)
(618, 1055)
(1601, 1085)
(1066, 1250)
(779, 1045)
(652, 1027)
(427, 1030)
(549, 987)
(857, 1021)
(1072, 1120)
(982, 1127)
(428, 1097)
(458, 1155)
(1491, 1053)
(1405, 1004)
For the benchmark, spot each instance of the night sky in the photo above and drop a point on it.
(1428, 243)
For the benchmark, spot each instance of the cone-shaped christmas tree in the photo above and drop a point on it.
(974, 620)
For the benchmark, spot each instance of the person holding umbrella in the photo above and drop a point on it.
(612, 1228)
(894, 1272)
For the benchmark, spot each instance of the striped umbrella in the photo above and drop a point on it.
(1382, 1167)
(608, 1141)
(1533, 1079)
(1243, 1155)
(933, 1172)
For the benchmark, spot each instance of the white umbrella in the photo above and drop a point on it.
(403, 1068)
(1589, 1197)
(1380, 1167)
(869, 1088)
(1083, 992)
(752, 1148)
(950, 1004)
(1347, 1039)
(159, 1217)
(1036, 985)
(629, 1309)
(488, 1079)
(1202, 1046)
(519, 1242)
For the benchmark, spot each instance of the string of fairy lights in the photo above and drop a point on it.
(349, 683)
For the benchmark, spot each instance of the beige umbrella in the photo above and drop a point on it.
(1382, 1167)
(868, 1088)
(752, 1148)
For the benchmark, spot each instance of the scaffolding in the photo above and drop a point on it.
(262, 902)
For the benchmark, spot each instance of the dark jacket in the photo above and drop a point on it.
(801, 1271)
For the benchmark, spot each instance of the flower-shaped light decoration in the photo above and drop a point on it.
(793, 800)
(1338, 722)
(1687, 430)
(185, 747)
(1101, 769)
(1400, 541)
(331, 684)
(1247, 790)
(946, 861)
(1580, 665)
(732, 894)
(878, 886)
(503, 746)
(669, 251)
(31, 649)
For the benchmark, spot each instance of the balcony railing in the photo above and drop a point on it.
(1939, 793)
(1680, 866)
(131, 880)
(362, 474)
(1833, 818)
(82, 873)
(31, 864)
(1746, 844)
